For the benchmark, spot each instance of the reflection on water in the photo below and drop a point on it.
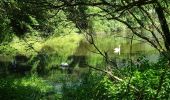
(84, 49)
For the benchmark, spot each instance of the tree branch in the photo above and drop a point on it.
(114, 77)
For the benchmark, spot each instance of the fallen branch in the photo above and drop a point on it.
(114, 77)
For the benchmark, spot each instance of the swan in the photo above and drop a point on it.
(117, 50)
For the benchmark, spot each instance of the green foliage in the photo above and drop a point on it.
(27, 88)
(77, 14)
(42, 18)
(7, 50)
(5, 30)
(100, 86)
(23, 15)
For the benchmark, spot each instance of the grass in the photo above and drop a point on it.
(64, 45)
(23, 88)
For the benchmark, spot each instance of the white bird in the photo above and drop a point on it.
(117, 50)
(64, 65)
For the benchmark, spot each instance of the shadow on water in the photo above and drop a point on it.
(77, 60)
(79, 57)
(18, 64)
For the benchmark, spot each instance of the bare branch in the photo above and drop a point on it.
(149, 30)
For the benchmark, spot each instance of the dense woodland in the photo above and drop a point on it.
(84, 50)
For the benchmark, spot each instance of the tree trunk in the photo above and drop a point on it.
(164, 26)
